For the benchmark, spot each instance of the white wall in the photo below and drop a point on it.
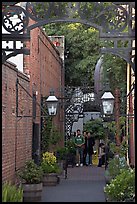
(89, 115)
(81, 121)
(78, 125)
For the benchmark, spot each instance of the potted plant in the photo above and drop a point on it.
(71, 152)
(122, 187)
(31, 176)
(50, 168)
(11, 192)
(116, 163)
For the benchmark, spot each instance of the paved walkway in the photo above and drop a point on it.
(83, 184)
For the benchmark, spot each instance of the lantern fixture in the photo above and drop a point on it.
(52, 103)
(107, 103)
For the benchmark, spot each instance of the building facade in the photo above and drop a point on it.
(21, 117)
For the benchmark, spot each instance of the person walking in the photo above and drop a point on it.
(89, 145)
(79, 143)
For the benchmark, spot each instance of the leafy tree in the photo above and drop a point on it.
(82, 50)
(82, 43)
(96, 128)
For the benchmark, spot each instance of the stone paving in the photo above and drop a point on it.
(83, 184)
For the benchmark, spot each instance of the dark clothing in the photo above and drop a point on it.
(103, 160)
(89, 143)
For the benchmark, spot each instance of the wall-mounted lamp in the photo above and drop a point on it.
(107, 103)
(52, 103)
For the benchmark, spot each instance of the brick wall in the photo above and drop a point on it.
(45, 69)
(16, 132)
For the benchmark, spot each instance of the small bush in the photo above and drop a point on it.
(61, 153)
(31, 173)
(115, 165)
(122, 188)
(49, 163)
(10, 193)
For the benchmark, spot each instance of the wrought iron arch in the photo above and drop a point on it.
(76, 100)
(99, 15)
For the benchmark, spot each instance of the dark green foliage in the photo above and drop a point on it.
(115, 69)
(83, 47)
(115, 165)
(31, 173)
(122, 188)
(61, 153)
(45, 133)
(49, 135)
(96, 128)
(82, 43)
(55, 137)
(70, 145)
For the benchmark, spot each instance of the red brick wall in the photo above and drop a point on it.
(16, 134)
(45, 69)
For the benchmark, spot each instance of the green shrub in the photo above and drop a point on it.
(49, 163)
(61, 153)
(115, 165)
(31, 173)
(96, 128)
(122, 188)
(10, 193)
(70, 146)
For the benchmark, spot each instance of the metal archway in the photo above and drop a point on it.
(114, 20)
(76, 98)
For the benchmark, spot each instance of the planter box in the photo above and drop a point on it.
(32, 192)
(50, 179)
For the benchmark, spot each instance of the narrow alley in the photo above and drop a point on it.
(83, 184)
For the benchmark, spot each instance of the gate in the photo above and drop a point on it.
(114, 20)
(77, 98)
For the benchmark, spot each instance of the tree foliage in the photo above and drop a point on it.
(81, 50)
(96, 128)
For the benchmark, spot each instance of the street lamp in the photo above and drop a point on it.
(52, 103)
(107, 103)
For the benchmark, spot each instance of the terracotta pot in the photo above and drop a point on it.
(32, 192)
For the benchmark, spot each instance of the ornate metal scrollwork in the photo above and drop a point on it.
(8, 22)
(14, 31)
(112, 19)
(76, 98)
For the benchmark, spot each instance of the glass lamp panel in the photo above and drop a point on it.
(52, 108)
(108, 106)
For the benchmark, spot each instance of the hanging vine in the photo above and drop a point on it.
(50, 135)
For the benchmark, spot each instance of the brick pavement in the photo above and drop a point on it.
(83, 184)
